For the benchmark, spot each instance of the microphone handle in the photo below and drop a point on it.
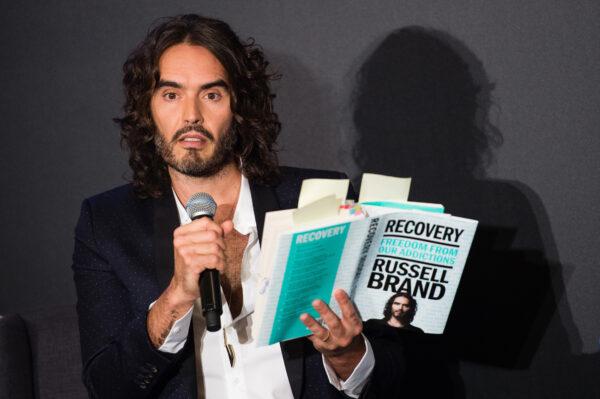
(210, 294)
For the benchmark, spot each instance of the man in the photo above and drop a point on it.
(400, 311)
(198, 118)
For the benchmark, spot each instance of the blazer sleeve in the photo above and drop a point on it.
(119, 361)
(389, 374)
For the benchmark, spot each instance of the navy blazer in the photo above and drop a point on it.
(123, 261)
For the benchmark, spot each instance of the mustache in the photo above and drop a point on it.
(195, 128)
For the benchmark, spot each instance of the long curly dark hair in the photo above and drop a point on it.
(412, 302)
(255, 126)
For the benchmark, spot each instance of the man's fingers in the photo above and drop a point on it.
(201, 224)
(317, 329)
(212, 261)
(208, 249)
(201, 256)
(203, 248)
(349, 313)
(199, 237)
(328, 316)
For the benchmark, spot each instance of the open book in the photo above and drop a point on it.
(371, 250)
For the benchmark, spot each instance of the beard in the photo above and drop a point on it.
(402, 317)
(192, 163)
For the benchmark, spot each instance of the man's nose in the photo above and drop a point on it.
(193, 112)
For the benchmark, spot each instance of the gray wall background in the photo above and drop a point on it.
(61, 70)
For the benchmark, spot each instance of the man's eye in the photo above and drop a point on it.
(213, 96)
(170, 96)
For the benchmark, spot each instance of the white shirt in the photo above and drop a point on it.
(258, 372)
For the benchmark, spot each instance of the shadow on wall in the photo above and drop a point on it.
(421, 109)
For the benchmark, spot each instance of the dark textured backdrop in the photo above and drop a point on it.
(537, 62)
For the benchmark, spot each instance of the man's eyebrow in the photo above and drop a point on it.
(206, 86)
(168, 83)
(216, 83)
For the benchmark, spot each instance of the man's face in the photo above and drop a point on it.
(191, 108)
(401, 308)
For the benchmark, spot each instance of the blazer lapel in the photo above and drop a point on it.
(166, 219)
(264, 199)
(293, 358)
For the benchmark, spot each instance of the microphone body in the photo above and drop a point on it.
(203, 205)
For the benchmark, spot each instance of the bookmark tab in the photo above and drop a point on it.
(314, 189)
(320, 210)
(375, 187)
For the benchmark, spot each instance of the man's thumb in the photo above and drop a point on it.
(227, 227)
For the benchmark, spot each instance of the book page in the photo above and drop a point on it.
(275, 247)
(377, 208)
(308, 273)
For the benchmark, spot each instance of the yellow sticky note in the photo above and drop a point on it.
(384, 188)
(322, 209)
(314, 189)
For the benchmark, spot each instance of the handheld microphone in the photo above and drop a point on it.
(203, 205)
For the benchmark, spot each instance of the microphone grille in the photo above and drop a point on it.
(201, 204)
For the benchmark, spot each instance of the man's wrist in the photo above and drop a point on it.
(344, 362)
(175, 298)
(353, 385)
(169, 307)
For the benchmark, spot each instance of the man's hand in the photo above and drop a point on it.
(341, 342)
(197, 246)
